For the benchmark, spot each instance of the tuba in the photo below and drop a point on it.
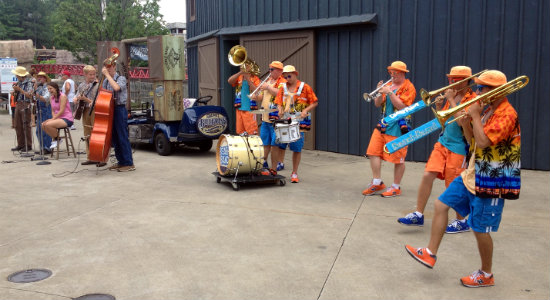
(238, 57)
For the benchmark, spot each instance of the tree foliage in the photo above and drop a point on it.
(76, 25)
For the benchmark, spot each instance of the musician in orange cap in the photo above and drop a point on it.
(395, 96)
(244, 83)
(297, 98)
(448, 157)
(493, 174)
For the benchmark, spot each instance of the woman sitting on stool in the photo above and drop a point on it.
(61, 111)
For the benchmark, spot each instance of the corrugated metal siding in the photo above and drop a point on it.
(431, 36)
(193, 71)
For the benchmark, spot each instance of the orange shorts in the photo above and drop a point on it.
(246, 121)
(447, 164)
(376, 148)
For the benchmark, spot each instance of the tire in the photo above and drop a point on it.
(205, 145)
(235, 186)
(162, 144)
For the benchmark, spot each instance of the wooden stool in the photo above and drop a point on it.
(68, 142)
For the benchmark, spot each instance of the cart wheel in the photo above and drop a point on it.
(218, 179)
(235, 186)
(282, 182)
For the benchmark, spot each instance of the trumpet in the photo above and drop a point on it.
(374, 94)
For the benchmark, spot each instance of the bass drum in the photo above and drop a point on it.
(244, 152)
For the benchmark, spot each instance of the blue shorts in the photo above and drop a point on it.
(267, 134)
(485, 213)
(294, 146)
(69, 123)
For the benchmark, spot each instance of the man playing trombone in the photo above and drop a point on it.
(448, 157)
(493, 174)
(397, 95)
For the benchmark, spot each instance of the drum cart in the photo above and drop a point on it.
(237, 180)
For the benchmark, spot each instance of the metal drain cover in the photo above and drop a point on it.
(96, 297)
(30, 275)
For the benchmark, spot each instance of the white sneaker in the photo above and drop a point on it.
(73, 128)
(54, 145)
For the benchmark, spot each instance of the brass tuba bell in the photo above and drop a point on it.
(238, 57)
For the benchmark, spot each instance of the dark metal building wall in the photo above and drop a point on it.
(193, 71)
(208, 17)
(257, 12)
(432, 36)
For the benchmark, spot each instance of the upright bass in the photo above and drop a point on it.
(100, 139)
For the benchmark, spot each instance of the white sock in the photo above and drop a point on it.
(395, 186)
(376, 181)
(419, 214)
(486, 274)
(429, 252)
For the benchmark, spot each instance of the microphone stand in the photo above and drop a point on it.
(41, 157)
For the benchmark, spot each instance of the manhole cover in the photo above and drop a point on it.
(31, 275)
(95, 297)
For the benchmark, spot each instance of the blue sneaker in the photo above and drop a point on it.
(412, 219)
(280, 166)
(266, 166)
(458, 226)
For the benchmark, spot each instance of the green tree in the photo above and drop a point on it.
(29, 19)
(79, 24)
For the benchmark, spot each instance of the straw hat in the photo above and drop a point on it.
(290, 69)
(491, 78)
(276, 64)
(42, 73)
(398, 66)
(20, 71)
(460, 71)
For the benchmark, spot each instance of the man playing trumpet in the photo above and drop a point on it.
(448, 157)
(395, 96)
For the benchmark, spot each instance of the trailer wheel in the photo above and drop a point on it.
(162, 144)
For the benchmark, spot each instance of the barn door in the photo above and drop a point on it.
(209, 79)
(291, 48)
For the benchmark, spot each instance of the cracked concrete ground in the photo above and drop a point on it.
(169, 231)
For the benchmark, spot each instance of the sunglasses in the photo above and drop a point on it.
(287, 76)
(393, 72)
(480, 87)
(271, 69)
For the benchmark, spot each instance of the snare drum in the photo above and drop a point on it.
(287, 133)
(235, 150)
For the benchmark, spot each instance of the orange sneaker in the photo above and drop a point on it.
(422, 255)
(265, 172)
(477, 279)
(392, 192)
(294, 178)
(372, 189)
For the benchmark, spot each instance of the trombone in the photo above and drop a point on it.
(442, 117)
(426, 101)
(485, 99)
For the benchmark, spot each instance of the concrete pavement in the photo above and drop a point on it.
(169, 231)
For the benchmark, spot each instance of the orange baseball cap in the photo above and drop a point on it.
(276, 64)
(460, 71)
(290, 69)
(491, 78)
(398, 66)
